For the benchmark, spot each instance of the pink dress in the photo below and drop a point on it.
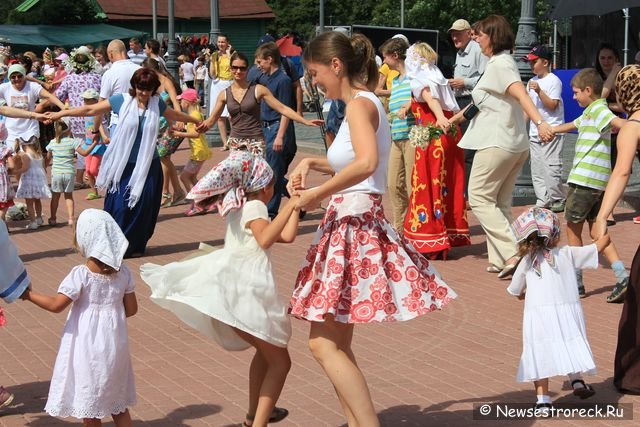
(358, 269)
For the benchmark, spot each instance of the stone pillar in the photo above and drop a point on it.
(527, 37)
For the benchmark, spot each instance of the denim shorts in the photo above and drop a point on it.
(583, 203)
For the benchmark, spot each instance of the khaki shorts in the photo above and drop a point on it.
(583, 203)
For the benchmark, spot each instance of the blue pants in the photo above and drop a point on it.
(276, 160)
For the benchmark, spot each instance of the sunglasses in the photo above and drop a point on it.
(238, 68)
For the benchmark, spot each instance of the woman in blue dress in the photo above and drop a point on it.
(130, 171)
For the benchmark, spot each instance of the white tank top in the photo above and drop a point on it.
(341, 153)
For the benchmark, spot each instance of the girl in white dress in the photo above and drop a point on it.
(33, 185)
(230, 294)
(92, 377)
(553, 328)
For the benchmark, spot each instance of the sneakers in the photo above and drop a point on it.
(619, 291)
(557, 207)
(636, 220)
(32, 225)
(5, 397)
(542, 410)
(39, 221)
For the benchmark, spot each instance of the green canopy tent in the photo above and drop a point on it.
(22, 37)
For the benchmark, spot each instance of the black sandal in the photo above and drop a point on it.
(583, 392)
(543, 410)
(277, 415)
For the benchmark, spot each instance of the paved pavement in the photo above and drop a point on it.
(426, 372)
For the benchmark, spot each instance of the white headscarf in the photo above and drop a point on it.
(99, 237)
(115, 158)
(423, 73)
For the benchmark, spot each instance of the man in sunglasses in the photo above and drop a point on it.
(23, 94)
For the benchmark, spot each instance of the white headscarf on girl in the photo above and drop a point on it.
(423, 73)
(115, 158)
(98, 236)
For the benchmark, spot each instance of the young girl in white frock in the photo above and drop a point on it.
(230, 294)
(33, 185)
(93, 376)
(553, 328)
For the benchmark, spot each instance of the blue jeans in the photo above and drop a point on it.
(276, 160)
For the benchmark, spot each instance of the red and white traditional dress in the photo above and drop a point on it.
(437, 217)
(358, 268)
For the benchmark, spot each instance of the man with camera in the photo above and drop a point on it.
(469, 66)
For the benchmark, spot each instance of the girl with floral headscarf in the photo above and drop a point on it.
(553, 328)
(436, 219)
(626, 373)
(230, 294)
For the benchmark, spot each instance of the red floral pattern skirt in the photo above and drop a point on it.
(436, 218)
(359, 270)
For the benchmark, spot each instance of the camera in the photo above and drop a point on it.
(470, 112)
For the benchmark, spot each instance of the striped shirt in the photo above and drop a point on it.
(64, 160)
(592, 161)
(400, 95)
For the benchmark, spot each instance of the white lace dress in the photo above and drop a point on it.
(93, 377)
(33, 183)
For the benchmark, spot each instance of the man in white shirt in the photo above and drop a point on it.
(117, 78)
(136, 53)
(23, 94)
(469, 66)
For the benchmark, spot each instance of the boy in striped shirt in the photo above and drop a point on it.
(591, 169)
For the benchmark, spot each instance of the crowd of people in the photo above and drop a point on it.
(441, 146)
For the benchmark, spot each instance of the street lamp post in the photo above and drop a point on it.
(527, 37)
(215, 22)
(154, 13)
(172, 64)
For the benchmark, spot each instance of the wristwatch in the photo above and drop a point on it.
(539, 122)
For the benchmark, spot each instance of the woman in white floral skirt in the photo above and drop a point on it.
(358, 270)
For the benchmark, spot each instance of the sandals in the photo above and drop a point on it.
(543, 410)
(166, 200)
(93, 196)
(493, 269)
(277, 415)
(194, 211)
(619, 292)
(52, 222)
(583, 392)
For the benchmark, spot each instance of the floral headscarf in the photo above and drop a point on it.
(240, 173)
(423, 73)
(546, 224)
(71, 64)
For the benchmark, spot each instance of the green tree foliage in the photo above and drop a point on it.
(302, 15)
(7, 6)
(56, 12)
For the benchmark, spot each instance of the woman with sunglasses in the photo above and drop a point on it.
(242, 100)
(130, 169)
(23, 95)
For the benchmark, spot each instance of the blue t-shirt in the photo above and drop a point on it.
(116, 102)
(280, 86)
